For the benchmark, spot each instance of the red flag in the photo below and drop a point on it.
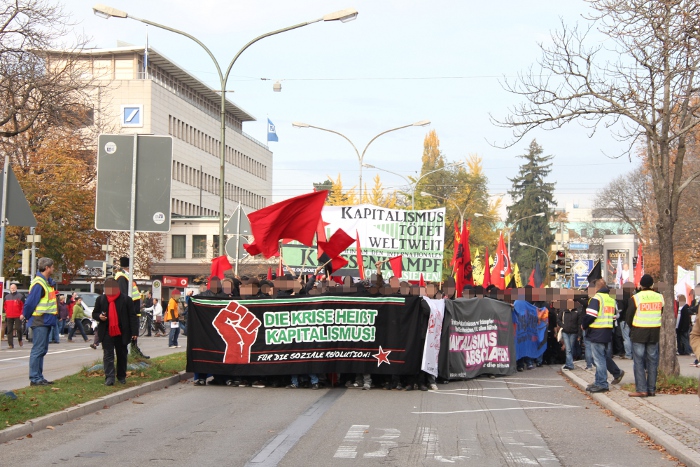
(639, 267)
(338, 263)
(295, 218)
(338, 242)
(269, 273)
(396, 264)
(421, 281)
(219, 266)
(360, 261)
(280, 269)
(487, 270)
(531, 280)
(320, 235)
(467, 271)
(456, 251)
(458, 260)
(501, 266)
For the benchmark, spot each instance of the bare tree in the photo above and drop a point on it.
(641, 81)
(626, 199)
(32, 87)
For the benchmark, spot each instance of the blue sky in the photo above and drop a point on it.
(399, 62)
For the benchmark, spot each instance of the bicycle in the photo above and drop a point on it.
(146, 318)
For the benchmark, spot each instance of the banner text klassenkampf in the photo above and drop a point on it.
(301, 335)
(384, 233)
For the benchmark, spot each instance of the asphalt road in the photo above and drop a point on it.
(66, 358)
(531, 418)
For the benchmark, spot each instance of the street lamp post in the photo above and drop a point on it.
(533, 246)
(460, 211)
(107, 12)
(413, 185)
(510, 227)
(360, 157)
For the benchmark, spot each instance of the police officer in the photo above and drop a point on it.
(42, 311)
(598, 326)
(122, 277)
(644, 318)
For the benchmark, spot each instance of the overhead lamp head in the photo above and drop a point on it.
(343, 16)
(106, 12)
(523, 244)
(425, 193)
(422, 123)
(368, 166)
(478, 214)
(300, 125)
(540, 214)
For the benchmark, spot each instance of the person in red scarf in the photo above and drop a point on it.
(118, 325)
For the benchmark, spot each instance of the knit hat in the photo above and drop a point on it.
(124, 262)
(646, 281)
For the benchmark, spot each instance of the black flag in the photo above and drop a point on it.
(595, 274)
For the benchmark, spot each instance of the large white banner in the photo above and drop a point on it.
(384, 233)
(432, 336)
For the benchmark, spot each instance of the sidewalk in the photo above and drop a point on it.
(669, 420)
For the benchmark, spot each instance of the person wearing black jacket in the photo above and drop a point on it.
(683, 328)
(118, 325)
(569, 319)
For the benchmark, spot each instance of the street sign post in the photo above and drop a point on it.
(154, 155)
(238, 226)
(133, 193)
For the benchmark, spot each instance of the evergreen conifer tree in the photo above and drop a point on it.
(530, 195)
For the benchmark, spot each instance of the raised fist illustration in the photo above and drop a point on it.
(238, 327)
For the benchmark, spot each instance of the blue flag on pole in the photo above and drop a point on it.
(271, 132)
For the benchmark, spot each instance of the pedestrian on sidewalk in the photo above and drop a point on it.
(644, 318)
(598, 325)
(13, 303)
(118, 325)
(683, 327)
(41, 310)
(78, 317)
(569, 320)
(62, 314)
(172, 318)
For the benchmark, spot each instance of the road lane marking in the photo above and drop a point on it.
(497, 410)
(50, 353)
(386, 442)
(278, 447)
(446, 393)
(348, 449)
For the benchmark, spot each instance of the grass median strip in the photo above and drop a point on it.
(84, 386)
(670, 385)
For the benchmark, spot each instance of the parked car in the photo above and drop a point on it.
(89, 299)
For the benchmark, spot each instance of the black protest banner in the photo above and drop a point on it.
(478, 338)
(299, 335)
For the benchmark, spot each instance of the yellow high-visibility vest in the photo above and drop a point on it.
(47, 303)
(135, 294)
(606, 312)
(649, 306)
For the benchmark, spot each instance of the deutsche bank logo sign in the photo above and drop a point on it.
(132, 116)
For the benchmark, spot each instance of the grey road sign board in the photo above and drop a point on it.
(153, 182)
(230, 248)
(17, 208)
(232, 228)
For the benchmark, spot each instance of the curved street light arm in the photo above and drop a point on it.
(183, 33)
(262, 36)
(341, 135)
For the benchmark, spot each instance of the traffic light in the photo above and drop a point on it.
(107, 270)
(26, 262)
(558, 266)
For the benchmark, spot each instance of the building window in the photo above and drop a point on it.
(199, 246)
(584, 232)
(178, 246)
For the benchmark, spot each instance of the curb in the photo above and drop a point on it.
(71, 413)
(674, 447)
